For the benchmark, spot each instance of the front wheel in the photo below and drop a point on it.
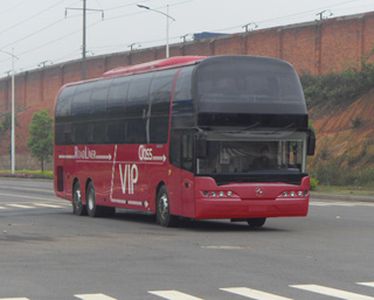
(256, 222)
(78, 208)
(163, 216)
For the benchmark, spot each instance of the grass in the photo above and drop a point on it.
(346, 190)
(28, 173)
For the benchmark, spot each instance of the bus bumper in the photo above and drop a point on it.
(249, 200)
(207, 209)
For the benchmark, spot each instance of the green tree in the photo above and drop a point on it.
(41, 141)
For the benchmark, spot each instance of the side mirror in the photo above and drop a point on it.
(311, 143)
(201, 146)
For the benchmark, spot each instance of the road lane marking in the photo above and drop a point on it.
(331, 292)
(47, 205)
(26, 197)
(339, 203)
(94, 297)
(173, 295)
(19, 206)
(371, 284)
(253, 294)
(23, 189)
(14, 299)
(2, 207)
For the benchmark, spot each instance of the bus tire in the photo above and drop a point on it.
(93, 210)
(163, 216)
(256, 222)
(78, 208)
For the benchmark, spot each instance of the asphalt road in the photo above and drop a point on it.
(48, 253)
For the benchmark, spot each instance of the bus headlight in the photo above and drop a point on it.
(218, 194)
(293, 194)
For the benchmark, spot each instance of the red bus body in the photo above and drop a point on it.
(129, 175)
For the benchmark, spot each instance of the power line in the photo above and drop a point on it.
(34, 33)
(290, 15)
(12, 7)
(33, 16)
(126, 5)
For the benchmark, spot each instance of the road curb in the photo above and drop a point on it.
(25, 176)
(333, 197)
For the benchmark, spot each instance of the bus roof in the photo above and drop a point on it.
(160, 64)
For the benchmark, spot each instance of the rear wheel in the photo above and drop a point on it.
(163, 216)
(256, 222)
(93, 210)
(78, 208)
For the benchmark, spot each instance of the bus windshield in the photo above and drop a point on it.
(256, 154)
(250, 86)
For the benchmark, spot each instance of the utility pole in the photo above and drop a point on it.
(13, 115)
(321, 14)
(44, 63)
(247, 26)
(132, 46)
(184, 38)
(168, 18)
(84, 42)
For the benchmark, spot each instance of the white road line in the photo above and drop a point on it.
(2, 207)
(323, 290)
(371, 284)
(14, 299)
(253, 294)
(19, 206)
(344, 204)
(23, 189)
(173, 295)
(93, 297)
(25, 197)
(47, 205)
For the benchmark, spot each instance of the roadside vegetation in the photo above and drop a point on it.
(339, 163)
(41, 137)
(337, 89)
(28, 174)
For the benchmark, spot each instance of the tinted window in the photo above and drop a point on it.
(183, 96)
(99, 132)
(249, 85)
(115, 131)
(118, 95)
(161, 92)
(63, 107)
(183, 104)
(81, 99)
(158, 130)
(176, 148)
(138, 96)
(136, 131)
(98, 100)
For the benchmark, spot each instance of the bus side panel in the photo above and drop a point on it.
(181, 192)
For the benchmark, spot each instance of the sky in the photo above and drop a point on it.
(39, 33)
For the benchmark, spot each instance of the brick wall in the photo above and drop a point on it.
(317, 48)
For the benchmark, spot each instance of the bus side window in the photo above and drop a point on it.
(175, 148)
(160, 106)
(187, 152)
(98, 99)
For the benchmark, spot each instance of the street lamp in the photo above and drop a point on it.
(12, 133)
(167, 22)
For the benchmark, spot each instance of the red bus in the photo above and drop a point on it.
(222, 137)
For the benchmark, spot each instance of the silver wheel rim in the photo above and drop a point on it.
(77, 200)
(90, 202)
(164, 206)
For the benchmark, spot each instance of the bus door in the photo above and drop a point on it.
(180, 181)
(187, 177)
